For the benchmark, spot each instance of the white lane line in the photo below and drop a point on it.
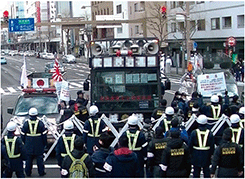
(170, 91)
(11, 89)
(80, 74)
(19, 87)
(76, 84)
(2, 91)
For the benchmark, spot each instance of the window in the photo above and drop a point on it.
(215, 24)
(181, 26)
(136, 7)
(200, 2)
(131, 31)
(108, 12)
(136, 29)
(173, 27)
(181, 3)
(173, 4)
(226, 22)
(101, 12)
(119, 30)
(193, 25)
(130, 9)
(240, 21)
(119, 9)
(201, 24)
(104, 11)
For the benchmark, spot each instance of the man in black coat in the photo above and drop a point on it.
(229, 157)
(176, 157)
(100, 155)
(15, 152)
(77, 153)
(34, 136)
(80, 97)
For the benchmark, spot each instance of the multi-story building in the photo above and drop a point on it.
(211, 24)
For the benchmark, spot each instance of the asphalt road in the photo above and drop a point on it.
(75, 75)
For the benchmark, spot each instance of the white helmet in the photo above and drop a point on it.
(215, 99)
(11, 126)
(33, 112)
(242, 110)
(93, 110)
(234, 118)
(68, 125)
(202, 119)
(169, 111)
(133, 120)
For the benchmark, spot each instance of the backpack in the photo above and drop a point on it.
(78, 168)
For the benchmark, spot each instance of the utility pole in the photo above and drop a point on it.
(188, 31)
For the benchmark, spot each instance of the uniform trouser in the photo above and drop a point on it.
(40, 164)
(19, 173)
(157, 172)
(197, 170)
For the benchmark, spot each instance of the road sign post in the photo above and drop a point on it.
(21, 25)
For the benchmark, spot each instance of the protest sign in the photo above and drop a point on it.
(65, 93)
(209, 84)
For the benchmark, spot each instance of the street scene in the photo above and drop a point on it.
(143, 89)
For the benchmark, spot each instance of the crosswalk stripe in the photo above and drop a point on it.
(11, 89)
(19, 87)
(76, 84)
(2, 91)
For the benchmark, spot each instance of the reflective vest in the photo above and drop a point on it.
(202, 143)
(10, 151)
(241, 123)
(167, 124)
(68, 149)
(216, 111)
(97, 127)
(236, 134)
(132, 146)
(33, 131)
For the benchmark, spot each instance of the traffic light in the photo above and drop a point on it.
(164, 11)
(6, 16)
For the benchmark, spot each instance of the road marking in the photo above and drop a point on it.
(170, 91)
(11, 89)
(75, 84)
(19, 87)
(2, 91)
(80, 74)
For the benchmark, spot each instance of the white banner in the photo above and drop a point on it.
(209, 84)
(65, 93)
(58, 85)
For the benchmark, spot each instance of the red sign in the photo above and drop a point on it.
(5, 14)
(38, 12)
(231, 41)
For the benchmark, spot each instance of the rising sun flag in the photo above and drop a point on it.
(57, 75)
(23, 78)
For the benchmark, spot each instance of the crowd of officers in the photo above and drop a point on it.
(167, 151)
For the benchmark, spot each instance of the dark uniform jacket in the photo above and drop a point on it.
(229, 157)
(67, 162)
(158, 112)
(60, 147)
(156, 147)
(163, 125)
(34, 145)
(99, 158)
(122, 163)
(238, 135)
(91, 137)
(16, 164)
(177, 159)
(200, 157)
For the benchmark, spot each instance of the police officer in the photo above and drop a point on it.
(65, 143)
(214, 110)
(241, 115)
(235, 105)
(93, 127)
(85, 169)
(154, 152)
(158, 112)
(100, 155)
(229, 157)
(176, 157)
(166, 122)
(137, 142)
(80, 96)
(201, 146)
(34, 136)
(81, 112)
(237, 130)
(15, 152)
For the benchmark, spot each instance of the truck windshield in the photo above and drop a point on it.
(133, 89)
(44, 105)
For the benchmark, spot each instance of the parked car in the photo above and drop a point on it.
(50, 56)
(21, 53)
(49, 67)
(43, 55)
(3, 60)
(13, 52)
(69, 59)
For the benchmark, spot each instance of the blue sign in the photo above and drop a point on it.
(21, 25)
(194, 44)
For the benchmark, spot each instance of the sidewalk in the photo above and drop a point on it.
(82, 59)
